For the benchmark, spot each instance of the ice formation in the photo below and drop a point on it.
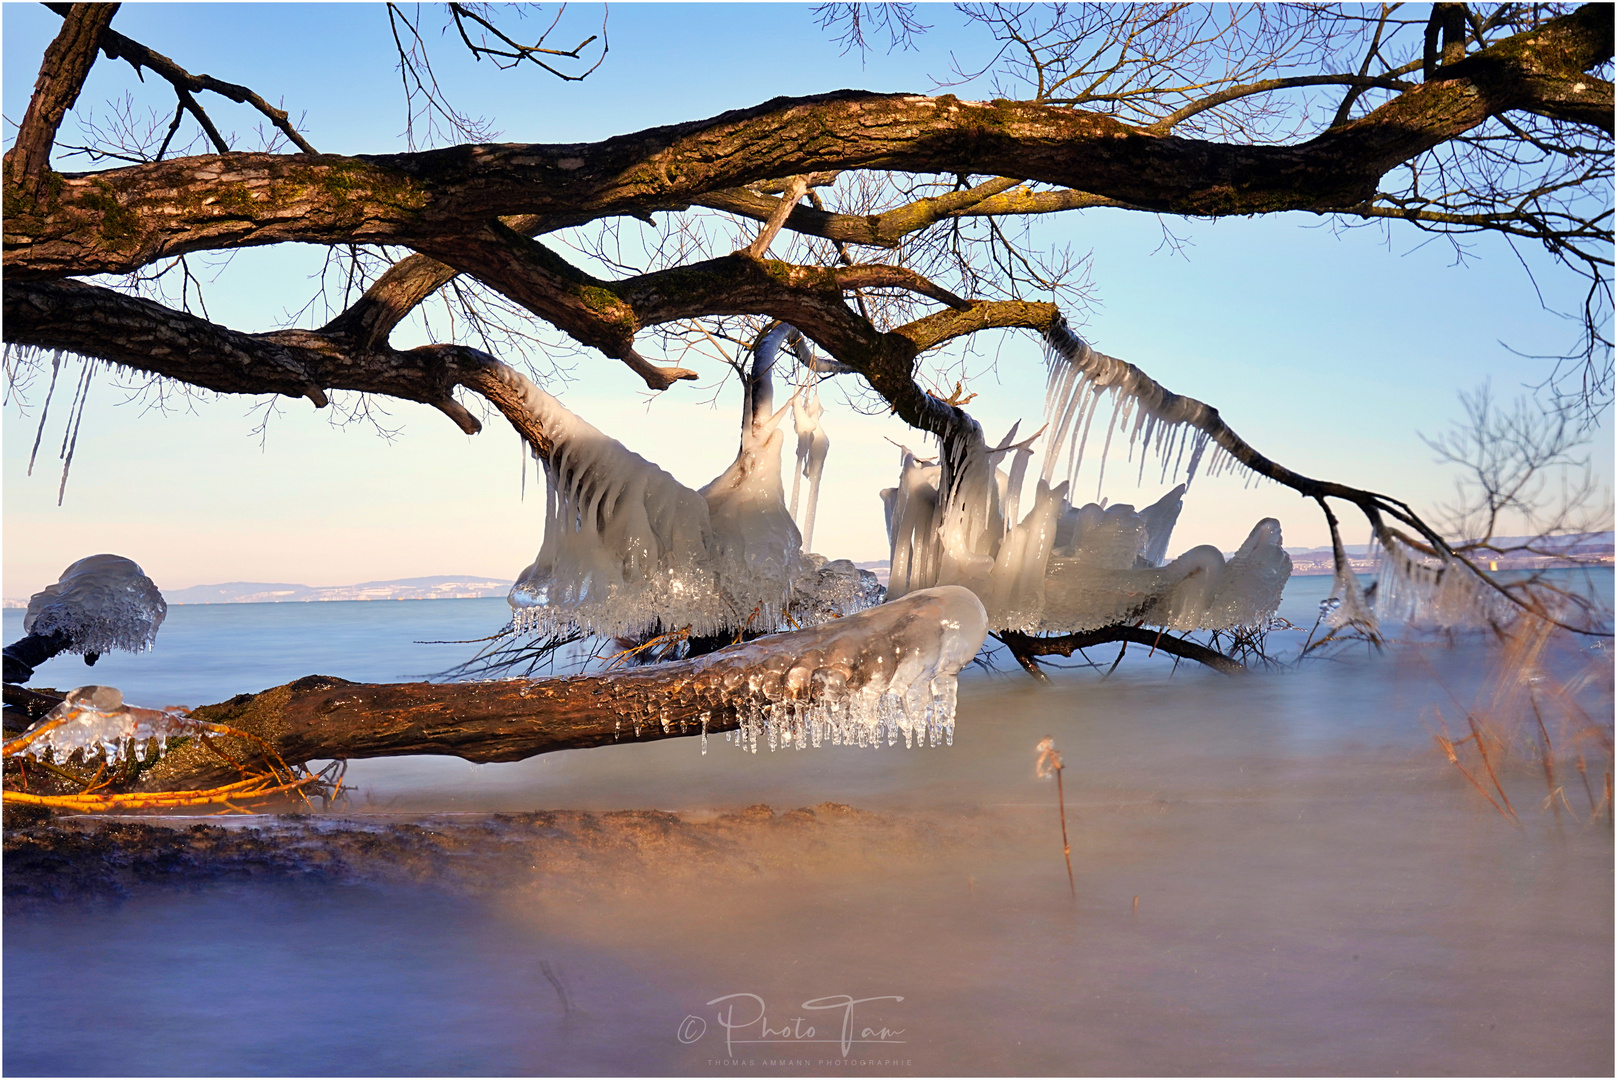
(812, 447)
(101, 603)
(885, 674)
(629, 550)
(1416, 589)
(1188, 435)
(1083, 383)
(95, 722)
(1061, 568)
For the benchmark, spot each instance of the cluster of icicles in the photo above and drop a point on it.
(1416, 589)
(94, 722)
(629, 550)
(1062, 568)
(883, 676)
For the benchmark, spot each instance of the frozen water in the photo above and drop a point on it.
(1083, 383)
(1424, 591)
(630, 550)
(1061, 568)
(812, 446)
(102, 603)
(877, 677)
(94, 721)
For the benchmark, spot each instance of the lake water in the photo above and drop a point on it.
(1277, 874)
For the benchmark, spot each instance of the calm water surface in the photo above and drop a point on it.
(1275, 875)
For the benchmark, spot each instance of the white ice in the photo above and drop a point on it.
(1061, 568)
(103, 602)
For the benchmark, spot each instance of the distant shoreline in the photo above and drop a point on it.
(1315, 562)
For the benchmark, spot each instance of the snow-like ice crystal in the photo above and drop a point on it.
(94, 721)
(102, 602)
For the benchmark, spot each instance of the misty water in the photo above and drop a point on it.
(1275, 874)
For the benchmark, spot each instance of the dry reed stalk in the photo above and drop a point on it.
(1048, 762)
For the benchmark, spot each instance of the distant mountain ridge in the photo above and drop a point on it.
(1595, 547)
(438, 587)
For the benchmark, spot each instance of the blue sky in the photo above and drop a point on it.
(1327, 351)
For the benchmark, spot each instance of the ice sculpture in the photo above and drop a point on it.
(1063, 569)
(95, 722)
(884, 674)
(628, 550)
(101, 603)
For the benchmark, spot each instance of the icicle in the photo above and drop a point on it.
(56, 365)
(94, 721)
(70, 438)
(812, 447)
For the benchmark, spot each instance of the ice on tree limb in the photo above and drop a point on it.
(1085, 385)
(882, 675)
(1422, 591)
(102, 603)
(1062, 568)
(629, 550)
(94, 722)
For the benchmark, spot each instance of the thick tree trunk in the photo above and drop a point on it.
(320, 717)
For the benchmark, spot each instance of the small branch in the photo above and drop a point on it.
(61, 76)
(796, 188)
(1065, 644)
(118, 47)
(1233, 93)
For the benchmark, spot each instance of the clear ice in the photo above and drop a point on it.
(94, 721)
(103, 602)
(881, 676)
(629, 550)
(1061, 568)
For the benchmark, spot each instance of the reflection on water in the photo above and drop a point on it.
(1276, 875)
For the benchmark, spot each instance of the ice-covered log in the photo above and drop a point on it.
(868, 679)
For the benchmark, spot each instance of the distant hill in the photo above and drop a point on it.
(440, 587)
(1565, 550)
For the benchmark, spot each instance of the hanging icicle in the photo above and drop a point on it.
(1161, 422)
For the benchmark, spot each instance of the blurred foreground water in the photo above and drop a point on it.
(1277, 874)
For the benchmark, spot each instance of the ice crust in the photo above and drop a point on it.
(884, 675)
(96, 723)
(629, 550)
(1061, 568)
(102, 603)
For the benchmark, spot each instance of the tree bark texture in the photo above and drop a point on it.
(120, 219)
